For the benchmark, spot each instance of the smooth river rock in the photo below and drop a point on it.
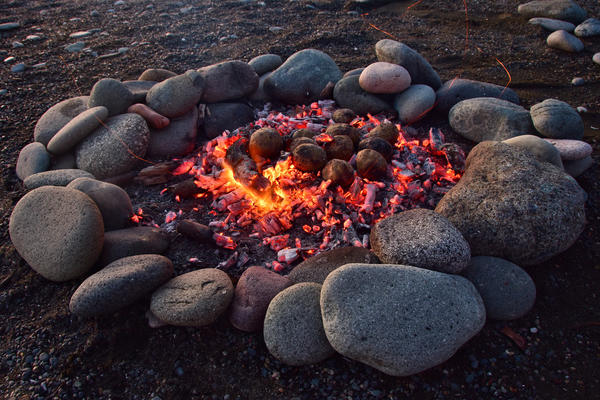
(77, 129)
(58, 116)
(177, 95)
(58, 231)
(566, 10)
(229, 80)
(265, 63)
(541, 149)
(414, 103)
(127, 242)
(457, 90)
(120, 284)
(563, 40)
(111, 94)
(384, 78)
(347, 93)
(553, 24)
(557, 120)
(219, 117)
(32, 159)
(589, 27)
(571, 149)
(59, 177)
(399, 319)
(510, 205)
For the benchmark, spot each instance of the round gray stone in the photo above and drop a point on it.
(563, 40)
(553, 24)
(457, 90)
(111, 94)
(59, 177)
(58, 231)
(33, 158)
(399, 319)
(589, 27)
(108, 150)
(418, 67)
(315, 269)
(541, 149)
(177, 139)
(486, 118)
(508, 292)
(197, 298)
(566, 10)
(176, 96)
(347, 93)
(293, 329)
(556, 119)
(139, 89)
(509, 205)
(127, 242)
(229, 80)
(421, 238)
(578, 167)
(265, 63)
(156, 75)
(77, 129)
(414, 103)
(570, 150)
(120, 284)
(219, 117)
(596, 58)
(302, 77)
(114, 202)
(58, 116)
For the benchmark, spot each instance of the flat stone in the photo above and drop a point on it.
(315, 269)
(566, 10)
(77, 129)
(75, 47)
(293, 330)
(302, 77)
(197, 298)
(457, 90)
(254, 291)
(578, 81)
(399, 319)
(108, 150)
(589, 27)
(139, 89)
(111, 94)
(418, 67)
(414, 103)
(541, 149)
(421, 238)
(177, 139)
(571, 150)
(563, 40)
(384, 78)
(265, 63)
(156, 75)
(80, 34)
(219, 117)
(229, 80)
(112, 201)
(58, 232)
(347, 93)
(509, 205)
(486, 118)
(127, 242)
(20, 67)
(553, 24)
(120, 284)
(578, 167)
(7, 26)
(61, 177)
(176, 96)
(557, 120)
(58, 116)
(33, 159)
(508, 292)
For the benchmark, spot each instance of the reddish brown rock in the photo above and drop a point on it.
(387, 131)
(370, 164)
(343, 115)
(309, 157)
(255, 290)
(346, 130)
(341, 147)
(339, 172)
(266, 143)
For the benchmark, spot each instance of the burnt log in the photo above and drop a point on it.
(245, 170)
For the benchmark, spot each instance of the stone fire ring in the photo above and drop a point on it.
(425, 288)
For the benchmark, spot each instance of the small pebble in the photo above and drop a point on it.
(94, 13)
(9, 25)
(577, 81)
(17, 45)
(9, 59)
(596, 58)
(18, 68)
(39, 65)
(33, 37)
(533, 330)
(3, 92)
(80, 34)
(582, 110)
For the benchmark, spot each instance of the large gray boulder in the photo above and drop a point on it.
(302, 77)
(120, 284)
(421, 238)
(112, 94)
(510, 205)
(58, 116)
(177, 95)
(418, 67)
(457, 90)
(487, 118)
(219, 117)
(58, 231)
(229, 80)
(293, 329)
(347, 93)
(114, 148)
(566, 10)
(76, 130)
(399, 319)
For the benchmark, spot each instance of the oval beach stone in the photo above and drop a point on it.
(383, 77)
(59, 177)
(414, 103)
(563, 40)
(33, 159)
(77, 129)
(571, 149)
(120, 284)
(127, 242)
(58, 231)
(111, 94)
(556, 119)
(58, 116)
(176, 96)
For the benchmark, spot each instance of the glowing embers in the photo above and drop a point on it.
(277, 200)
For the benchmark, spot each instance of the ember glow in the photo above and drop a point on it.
(420, 172)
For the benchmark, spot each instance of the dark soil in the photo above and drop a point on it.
(48, 353)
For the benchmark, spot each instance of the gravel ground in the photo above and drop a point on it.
(46, 353)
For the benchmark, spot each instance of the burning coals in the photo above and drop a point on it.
(272, 188)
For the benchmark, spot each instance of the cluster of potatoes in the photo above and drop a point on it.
(375, 149)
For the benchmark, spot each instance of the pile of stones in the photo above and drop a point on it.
(429, 282)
